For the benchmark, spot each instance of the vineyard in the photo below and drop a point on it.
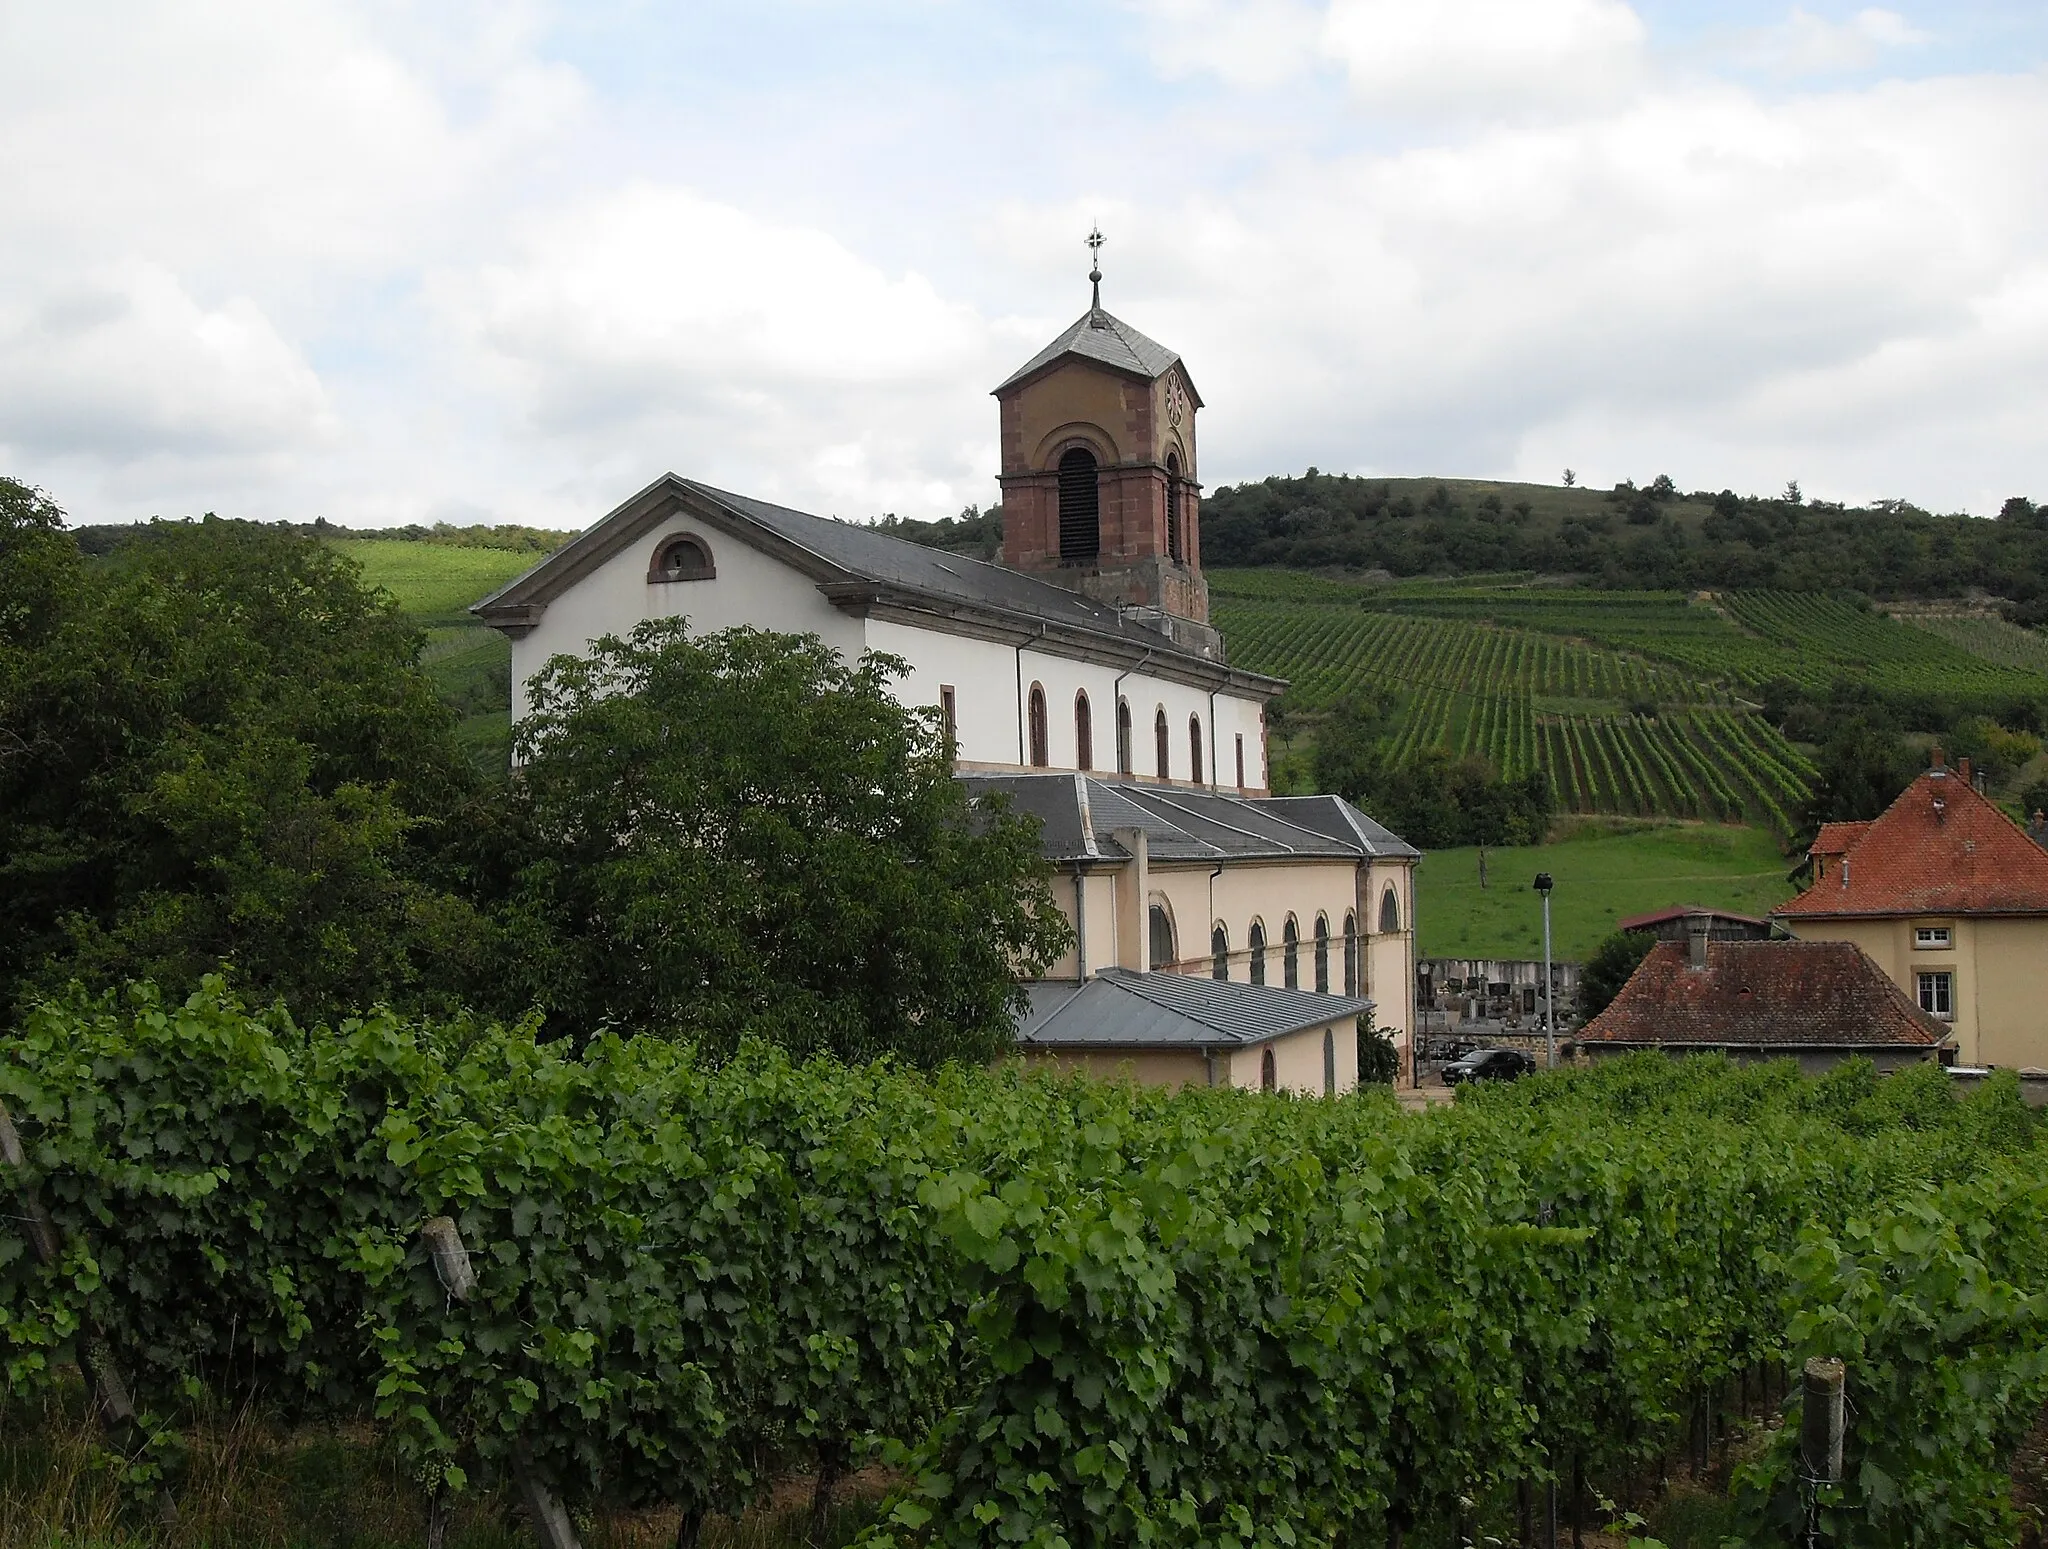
(1986, 636)
(1065, 1312)
(1633, 702)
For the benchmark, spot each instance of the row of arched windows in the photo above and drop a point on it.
(1038, 734)
(1257, 948)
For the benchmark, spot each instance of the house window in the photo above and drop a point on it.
(1290, 954)
(1350, 954)
(947, 714)
(1195, 747)
(1080, 508)
(1123, 738)
(1240, 760)
(1269, 1076)
(1159, 739)
(685, 558)
(1322, 955)
(1937, 994)
(1256, 952)
(1162, 938)
(1084, 733)
(1925, 936)
(1390, 913)
(1219, 951)
(1040, 752)
(1329, 1062)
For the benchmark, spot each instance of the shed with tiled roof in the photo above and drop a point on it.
(1816, 1001)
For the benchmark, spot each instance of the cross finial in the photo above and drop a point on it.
(1095, 265)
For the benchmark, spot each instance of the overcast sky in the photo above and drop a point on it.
(396, 262)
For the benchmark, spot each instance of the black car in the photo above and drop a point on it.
(1488, 1065)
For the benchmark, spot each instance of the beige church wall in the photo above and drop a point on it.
(749, 588)
(1389, 958)
(1266, 890)
(1170, 1068)
(1298, 1061)
(1100, 916)
(2011, 991)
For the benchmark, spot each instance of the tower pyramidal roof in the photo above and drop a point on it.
(1108, 341)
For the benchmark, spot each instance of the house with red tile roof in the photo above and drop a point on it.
(1949, 897)
(1818, 1002)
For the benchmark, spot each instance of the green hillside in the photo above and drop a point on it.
(434, 584)
(1601, 876)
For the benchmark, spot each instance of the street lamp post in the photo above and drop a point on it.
(1549, 1011)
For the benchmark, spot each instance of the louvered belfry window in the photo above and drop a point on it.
(1173, 504)
(1080, 507)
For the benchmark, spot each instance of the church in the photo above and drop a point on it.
(1223, 934)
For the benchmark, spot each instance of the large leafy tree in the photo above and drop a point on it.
(216, 748)
(743, 832)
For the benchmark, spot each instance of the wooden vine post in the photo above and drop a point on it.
(1820, 1435)
(115, 1407)
(552, 1528)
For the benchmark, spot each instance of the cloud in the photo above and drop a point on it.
(1481, 53)
(1806, 44)
(1257, 43)
(653, 323)
(123, 363)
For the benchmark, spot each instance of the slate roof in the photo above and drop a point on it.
(1939, 849)
(1673, 912)
(1121, 1009)
(1772, 994)
(857, 565)
(1078, 813)
(1108, 341)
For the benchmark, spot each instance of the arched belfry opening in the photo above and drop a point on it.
(1100, 477)
(1080, 507)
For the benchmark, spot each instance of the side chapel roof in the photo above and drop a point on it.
(1118, 1008)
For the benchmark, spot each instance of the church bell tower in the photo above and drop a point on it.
(1099, 476)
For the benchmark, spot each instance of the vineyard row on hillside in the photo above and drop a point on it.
(1614, 732)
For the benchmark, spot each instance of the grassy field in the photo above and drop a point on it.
(1603, 873)
(471, 666)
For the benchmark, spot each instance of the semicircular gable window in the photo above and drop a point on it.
(685, 557)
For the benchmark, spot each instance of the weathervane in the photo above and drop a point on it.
(1095, 264)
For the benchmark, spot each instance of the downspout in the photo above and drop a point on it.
(1214, 783)
(1080, 923)
(1209, 1062)
(1212, 922)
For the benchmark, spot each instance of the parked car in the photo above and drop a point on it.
(1488, 1065)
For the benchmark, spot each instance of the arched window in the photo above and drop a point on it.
(1219, 951)
(1084, 733)
(1322, 955)
(1290, 954)
(1174, 545)
(1163, 955)
(1041, 754)
(1123, 738)
(1256, 951)
(1350, 954)
(683, 558)
(1269, 1076)
(1080, 508)
(1329, 1063)
(1159, 739)
(1195, 747)
(1390, 912)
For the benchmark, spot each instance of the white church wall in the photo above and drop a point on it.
(982, 675)
(747, 588)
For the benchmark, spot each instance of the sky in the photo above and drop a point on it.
(409, 262)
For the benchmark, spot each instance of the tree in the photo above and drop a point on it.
(1608, 968)
(1570, 478)
(217, 748)
(1864, 763)
(741, 833)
